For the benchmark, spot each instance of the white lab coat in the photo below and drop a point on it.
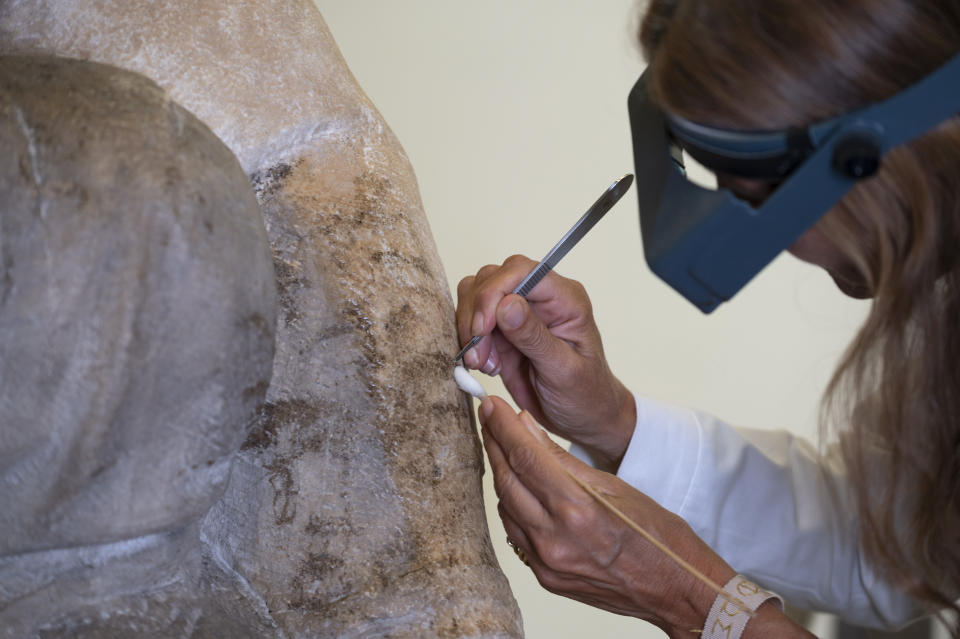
(767, 504)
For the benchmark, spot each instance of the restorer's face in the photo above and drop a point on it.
(814, 246)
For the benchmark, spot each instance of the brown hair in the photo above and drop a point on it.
(895, 397)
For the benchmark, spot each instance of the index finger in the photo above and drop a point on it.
(477, 299)
(497, 284)
(533, 462)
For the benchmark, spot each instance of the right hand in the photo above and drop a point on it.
(548, 351)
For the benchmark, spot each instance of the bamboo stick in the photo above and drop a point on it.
(660, 545)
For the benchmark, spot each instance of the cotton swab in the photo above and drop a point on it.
(468, 384)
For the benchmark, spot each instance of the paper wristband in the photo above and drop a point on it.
(726, 619)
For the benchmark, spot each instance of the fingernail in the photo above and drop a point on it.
(511, 316)
(486, 409)
(477, 323)
(471, 359)
(492, 366)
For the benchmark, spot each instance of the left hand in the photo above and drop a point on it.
(575, 547)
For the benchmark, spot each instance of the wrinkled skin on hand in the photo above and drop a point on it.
(575, 547)
(578, 549)
(547, 350)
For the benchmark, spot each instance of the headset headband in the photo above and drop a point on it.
(772, 155)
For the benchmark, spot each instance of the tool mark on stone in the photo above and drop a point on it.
(276, 415)
(8, 264)
(386, 258)
(331, 332)
(398, 318)
(370, 195)
(317, 525)
(290, 282)
(321, 585)
(446, 409)
(257, 391)
(268, 181)
(358, 314)
(433, 366)
(284, 504)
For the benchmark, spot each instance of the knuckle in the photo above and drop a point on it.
(578, 293)
(554, 555)
(502, 513)
(484, 288)
(501, 480)
(463, 323)
(522, 460)
(517, 260)
(578, 290)
(464, 286)
(486, 272)
(504, 489)
(573, 517)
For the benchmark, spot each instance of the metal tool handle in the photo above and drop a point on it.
(604, 203)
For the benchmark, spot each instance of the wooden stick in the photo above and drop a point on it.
(661, 546)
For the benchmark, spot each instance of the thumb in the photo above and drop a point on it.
(569, 461)
(528, 334)
(579, 470)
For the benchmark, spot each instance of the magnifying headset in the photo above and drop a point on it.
(707, 244)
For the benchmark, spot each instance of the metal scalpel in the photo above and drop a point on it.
(606, 201)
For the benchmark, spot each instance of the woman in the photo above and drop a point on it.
(869, 529)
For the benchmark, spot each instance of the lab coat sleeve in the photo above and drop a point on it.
(768, 504)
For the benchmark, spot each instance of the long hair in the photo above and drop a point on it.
(894, 399)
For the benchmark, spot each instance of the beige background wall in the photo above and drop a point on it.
(513, 113)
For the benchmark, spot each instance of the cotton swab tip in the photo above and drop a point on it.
(468, 384)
